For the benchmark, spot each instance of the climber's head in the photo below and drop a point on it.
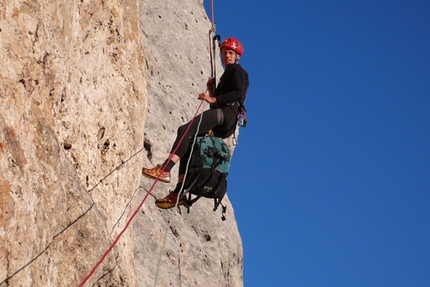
(231, 50)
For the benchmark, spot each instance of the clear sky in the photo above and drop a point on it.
(330, 181)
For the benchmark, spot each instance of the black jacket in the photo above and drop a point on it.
(232, 87)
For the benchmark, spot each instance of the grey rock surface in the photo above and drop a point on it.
(200, 248)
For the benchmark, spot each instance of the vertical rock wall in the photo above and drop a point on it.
(77, 102)
(200, 248)
(73, 107)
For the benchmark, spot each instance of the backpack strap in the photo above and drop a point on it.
(217, 201)
(189, 202)
(213, 153)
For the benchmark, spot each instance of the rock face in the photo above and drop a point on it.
(91, 91)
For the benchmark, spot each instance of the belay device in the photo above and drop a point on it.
(208, 171)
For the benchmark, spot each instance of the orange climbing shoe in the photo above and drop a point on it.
(156, 172)
(169, 201)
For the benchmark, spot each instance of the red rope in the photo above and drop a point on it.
(212, 16)
(211, 47)
(140, 205)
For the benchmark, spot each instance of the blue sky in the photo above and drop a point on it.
(330, 181)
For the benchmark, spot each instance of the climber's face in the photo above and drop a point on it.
(229, 56)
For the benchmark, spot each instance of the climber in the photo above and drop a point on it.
(221, 118)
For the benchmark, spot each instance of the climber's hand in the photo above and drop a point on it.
(207, 98)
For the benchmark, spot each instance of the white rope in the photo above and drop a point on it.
(177, 201)
(191, 152)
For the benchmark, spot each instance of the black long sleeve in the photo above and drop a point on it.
(232, 87)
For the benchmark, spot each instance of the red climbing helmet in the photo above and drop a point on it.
(232, 44)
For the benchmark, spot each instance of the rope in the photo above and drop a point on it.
(210, 54)
(138, 208)
(212, 48)
(212, 15)
(213, 75)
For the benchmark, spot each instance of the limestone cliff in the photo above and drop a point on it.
(91, 91)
